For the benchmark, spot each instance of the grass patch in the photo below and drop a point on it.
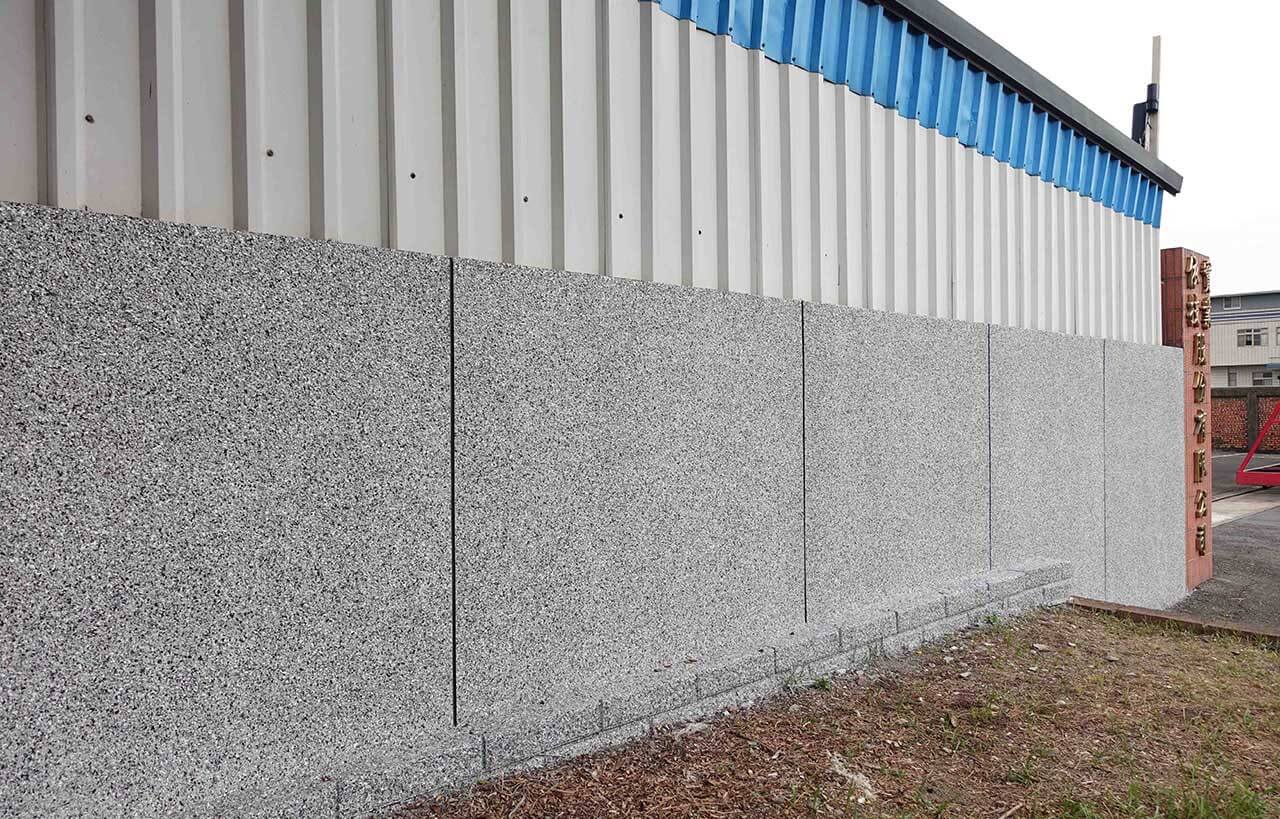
(1058, 713)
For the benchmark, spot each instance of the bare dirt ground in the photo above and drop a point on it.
(1060, 713)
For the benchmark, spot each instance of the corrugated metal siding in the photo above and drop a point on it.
(877, 54)
(607, 137)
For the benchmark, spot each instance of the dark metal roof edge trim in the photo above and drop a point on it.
(960, 35)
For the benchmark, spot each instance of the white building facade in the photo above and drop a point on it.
(1244, 340)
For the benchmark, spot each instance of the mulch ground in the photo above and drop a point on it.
(1059, 713)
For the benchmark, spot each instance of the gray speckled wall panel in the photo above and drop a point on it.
(1046, 451)
(628, 480)
(1146, 485)
(225, 502)
(896, 428)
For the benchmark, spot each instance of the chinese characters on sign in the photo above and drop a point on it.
(1196, 276)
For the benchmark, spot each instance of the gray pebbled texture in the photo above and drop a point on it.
(1146, 489)
(896, 432)
(1046, 450)
(225, 494)
(628, 462)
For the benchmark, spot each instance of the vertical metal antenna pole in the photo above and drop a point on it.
(1153, 118)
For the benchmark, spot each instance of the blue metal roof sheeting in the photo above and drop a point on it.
(877, 54)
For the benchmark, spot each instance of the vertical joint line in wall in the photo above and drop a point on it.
(453, 499)
(804, 476)
(990, 483)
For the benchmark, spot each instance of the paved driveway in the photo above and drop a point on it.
(1245, 587)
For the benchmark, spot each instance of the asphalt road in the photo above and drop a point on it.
(1245, 587)
(1224, 472)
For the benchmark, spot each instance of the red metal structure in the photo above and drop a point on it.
(1262, 475)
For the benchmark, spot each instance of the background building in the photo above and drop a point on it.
(1245, 339)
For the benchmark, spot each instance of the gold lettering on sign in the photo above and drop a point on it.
(1202, 545)
(1201, 420)
(1206, 267)
(1193, 311)
(1205, 309)
(1192, 272)
(1202, 503)
(1201, 358)
(1201, 469)
(1197, 384)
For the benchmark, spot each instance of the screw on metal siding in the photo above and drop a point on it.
(88, 118)
(526, 199)
(412, 175)
(271, 152)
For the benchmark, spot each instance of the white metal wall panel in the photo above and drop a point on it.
(960, 231)
(415, 140)
(473, 121)
(199, 172)
(978, 213)
(271, 102)
(347, 193)
(21, 138)
(897, 204)
(603, 137)
(578, 219)
(797, 196)
(733, 168)
(850, 123)
(525, 48)
(876, 159)
(698, 157)
(938, 192)
(918, 237)
(95, 105)
(660, 116)
(620, 99)
(1056, 236)
(993, 242)
(1012, 280)
(827, 99)
(767, 166)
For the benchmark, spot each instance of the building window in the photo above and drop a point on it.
(1261, 378)
(1231, 303)
(1231, 378)
(1251, 337)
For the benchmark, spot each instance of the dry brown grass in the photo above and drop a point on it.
(1112, 719)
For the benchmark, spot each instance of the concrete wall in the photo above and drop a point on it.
(896, 454)
(226, 503)
(1147, 478)
(628, 471)
(238, 559)
(1047, 445)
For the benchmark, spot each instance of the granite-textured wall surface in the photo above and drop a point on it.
(237, 573)
(225, 495)
(1047, 451)
(896, 455)
(628, 481)
(1146, 481)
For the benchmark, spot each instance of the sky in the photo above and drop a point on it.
(1218, 118)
